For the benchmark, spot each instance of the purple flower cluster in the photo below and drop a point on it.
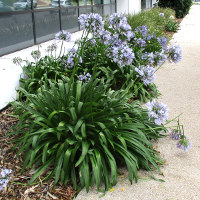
(105, 37)
(175, 54)
(140, 42)
(175, 134)
(121, 54)
(183, 143)
(142, 30)
(149, 57)
(4, 178)
(91, 22)
(150, 36)
(158, 112)
(63, 35)
(160, 57)
(69, 62)
(162, 40)
(119, 24)
(85, 77)
(162, 14)
(147, 74)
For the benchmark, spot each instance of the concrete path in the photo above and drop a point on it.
(180, 86)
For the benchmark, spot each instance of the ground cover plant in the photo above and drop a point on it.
(155, 19)
(181, 7)
(81, 114)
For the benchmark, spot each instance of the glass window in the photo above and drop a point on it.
(98, 9)
(97, 2)
(69, 19)
(85, 2)
(46, 25)
(107, 10)
(113, 8)
(45, 3)
(112, 1)
(16, 32)
(145, 4)
(5, 6)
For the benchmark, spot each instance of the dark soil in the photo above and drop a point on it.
(17, 188)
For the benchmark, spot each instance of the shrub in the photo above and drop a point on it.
(82, 130)
(181, 7)
(171, 26)
(151, 18)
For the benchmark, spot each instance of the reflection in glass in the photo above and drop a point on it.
(98, 9)
(63, 3)
(113, 8)
(106, 10)
(97, 2)
(113, 1)
(69, 19)
(85, 10)
(43, 3)
(84, 2)
(46, 24)
(16, 32)
(5, 6)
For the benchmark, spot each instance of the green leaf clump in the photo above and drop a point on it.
(83, 132)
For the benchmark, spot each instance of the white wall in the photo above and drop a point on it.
(128, 6)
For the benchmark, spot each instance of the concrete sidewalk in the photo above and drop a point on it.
(180, 86)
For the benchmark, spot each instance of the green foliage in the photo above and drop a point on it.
(84, 131)
(172, 26)
(181, 7)
(152, 20)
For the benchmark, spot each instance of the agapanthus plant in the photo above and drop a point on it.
(175, 54)
(178, 134)
(146, 74)
(158, 112)
(63, 36)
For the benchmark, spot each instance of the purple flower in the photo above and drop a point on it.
(163, 41)
(142, 30)
(92, 22)
(105, 37)
(162, 14)
(68, 62)
(147, 74)
(183, 143)
(119, 23)
(149, 57)
(175, 134)
(141, 42)
(121, 54)
(175, 54)
(63, 35)
(158, 112)
(85, 77)
(160, 57)
(4, 178)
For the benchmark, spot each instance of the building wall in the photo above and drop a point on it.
(128, 6)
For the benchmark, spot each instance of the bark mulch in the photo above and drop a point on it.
(17, 188)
